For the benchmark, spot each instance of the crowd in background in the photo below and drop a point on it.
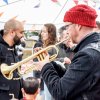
(46, 83)
(47, 37)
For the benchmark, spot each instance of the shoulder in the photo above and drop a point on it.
(2, 50)
(88, 54)
(92, 50)
(1, 47)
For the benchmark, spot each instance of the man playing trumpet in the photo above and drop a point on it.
(81, 81)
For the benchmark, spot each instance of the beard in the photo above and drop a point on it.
(74, 37)
(17, 40)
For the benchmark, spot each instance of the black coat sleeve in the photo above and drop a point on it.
(61, 88)
(59, 69)
(0, 58)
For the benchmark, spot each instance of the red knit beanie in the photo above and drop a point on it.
(82, 15)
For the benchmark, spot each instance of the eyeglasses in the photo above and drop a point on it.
(66, 26)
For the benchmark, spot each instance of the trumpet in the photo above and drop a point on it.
(7, 71)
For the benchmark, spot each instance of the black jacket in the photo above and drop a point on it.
(82, 79)
(8, 56)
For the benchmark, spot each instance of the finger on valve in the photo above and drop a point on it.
(26, 66)
(37, 49)
(67, 60)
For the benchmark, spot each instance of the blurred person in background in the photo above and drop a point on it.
(48, 37)
(30, 88)
(97, 29)
(66, 48)
(20, 48)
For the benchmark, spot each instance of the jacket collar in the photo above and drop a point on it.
(4, 43)
(93, 37)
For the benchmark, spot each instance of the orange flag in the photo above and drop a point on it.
(1, 14)
(14, 17)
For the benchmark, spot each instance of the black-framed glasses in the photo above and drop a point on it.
(66, 26)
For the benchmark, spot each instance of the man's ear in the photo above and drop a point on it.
(78, 27)
(12, 33)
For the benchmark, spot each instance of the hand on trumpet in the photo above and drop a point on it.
(67, 61)
(37, 49)
(40, 64)
(26, 66)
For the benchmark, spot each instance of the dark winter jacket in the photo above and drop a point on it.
(82, 79)
(8, 56)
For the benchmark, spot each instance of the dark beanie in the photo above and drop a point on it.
(82, 15)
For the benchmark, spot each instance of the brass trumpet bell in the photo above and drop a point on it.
(7, 71)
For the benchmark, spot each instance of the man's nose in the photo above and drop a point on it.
(22, 35)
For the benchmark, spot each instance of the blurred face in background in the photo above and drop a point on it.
(97, 29)
(64, 35)
(44, 34)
